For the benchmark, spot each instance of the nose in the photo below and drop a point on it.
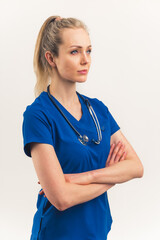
(85, 59)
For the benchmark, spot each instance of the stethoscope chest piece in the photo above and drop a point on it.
(83, 139)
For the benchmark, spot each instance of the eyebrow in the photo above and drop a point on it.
(79, 46)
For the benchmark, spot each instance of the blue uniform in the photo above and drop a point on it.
(43, 123)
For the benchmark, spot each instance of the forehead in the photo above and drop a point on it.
(76, 36)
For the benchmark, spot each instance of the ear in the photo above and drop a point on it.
(49, 58)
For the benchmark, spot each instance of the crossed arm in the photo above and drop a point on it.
(115, 171)
(120, 167)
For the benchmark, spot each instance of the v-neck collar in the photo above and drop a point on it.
(66, 112)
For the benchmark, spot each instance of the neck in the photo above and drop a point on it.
(64, 92)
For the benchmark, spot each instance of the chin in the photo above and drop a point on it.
(82, 80)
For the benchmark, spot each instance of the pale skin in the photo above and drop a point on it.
(122, 163)
(115, 155)
(116, 171)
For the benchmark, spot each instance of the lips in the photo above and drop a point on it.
(83, 71)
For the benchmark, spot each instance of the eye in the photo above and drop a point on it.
(73, 51)
(76, 51)
(90, 50)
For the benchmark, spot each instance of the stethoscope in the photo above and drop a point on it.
(83, 139)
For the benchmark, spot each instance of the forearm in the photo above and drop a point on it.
(118, 173)
(76, 193)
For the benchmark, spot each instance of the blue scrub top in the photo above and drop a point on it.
(43, 123)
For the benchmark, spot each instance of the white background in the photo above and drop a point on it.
(124, 74)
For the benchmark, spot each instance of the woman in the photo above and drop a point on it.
(77, 157)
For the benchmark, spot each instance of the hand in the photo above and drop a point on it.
(116, 154)
(42, 191)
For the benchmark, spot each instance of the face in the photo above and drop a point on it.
(71, 58)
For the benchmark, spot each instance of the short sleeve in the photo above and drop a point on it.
(113, 124)
(35, 128)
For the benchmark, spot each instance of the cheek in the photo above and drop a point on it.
(68, 67)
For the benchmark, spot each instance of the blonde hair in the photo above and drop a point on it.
(49, 38)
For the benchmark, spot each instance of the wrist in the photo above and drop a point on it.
(109, 185)
(92, 176)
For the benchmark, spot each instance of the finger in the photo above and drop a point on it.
(116, 149)
(119, 153)
(67, 177)
(111, 150)
(41, 192)
(123, 156)
(110, 153)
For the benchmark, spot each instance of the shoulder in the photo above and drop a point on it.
(36, 109)
(96, 103)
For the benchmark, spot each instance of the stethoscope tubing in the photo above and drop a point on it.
(83, 139)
